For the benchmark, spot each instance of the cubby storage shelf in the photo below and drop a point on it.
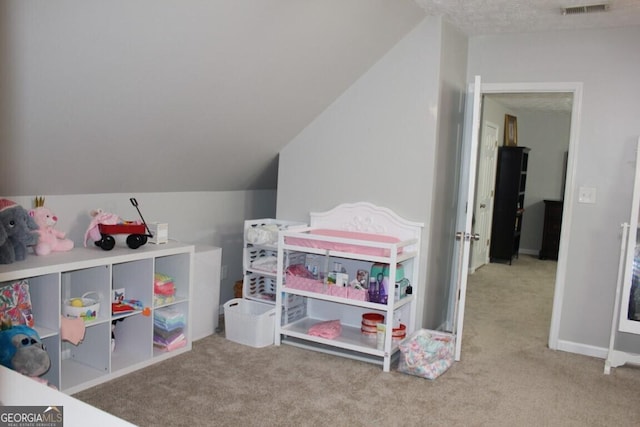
(63, 275)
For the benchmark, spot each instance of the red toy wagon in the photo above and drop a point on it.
(137, 233)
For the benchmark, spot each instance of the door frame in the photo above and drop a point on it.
(575, 88)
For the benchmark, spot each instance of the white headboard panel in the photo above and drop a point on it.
(366, 217)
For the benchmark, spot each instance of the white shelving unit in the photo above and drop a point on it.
(362, 218)
(62, 275)
(261, 245)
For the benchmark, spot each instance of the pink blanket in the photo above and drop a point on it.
(330, 329)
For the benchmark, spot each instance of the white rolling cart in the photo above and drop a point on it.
(260, 256)
(250, 320)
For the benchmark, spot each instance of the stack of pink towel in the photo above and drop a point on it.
(330, 329)
(164, 290)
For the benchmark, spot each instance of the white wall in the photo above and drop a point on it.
(446, 179)
(379, 142)
(207, 218)
(363, 146)
(547, 134)
(608, 64)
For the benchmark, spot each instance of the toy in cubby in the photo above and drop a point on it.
(22, 350)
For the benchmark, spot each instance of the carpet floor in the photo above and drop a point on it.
(507, 376)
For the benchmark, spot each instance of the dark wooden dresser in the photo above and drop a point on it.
(551, 229)
(508, 205)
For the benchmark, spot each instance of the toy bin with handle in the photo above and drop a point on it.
(84, 307)
(250, 323)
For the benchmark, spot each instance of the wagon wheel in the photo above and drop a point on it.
(134, 241)
(107, 242)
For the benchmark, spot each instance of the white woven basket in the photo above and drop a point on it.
(89, 310)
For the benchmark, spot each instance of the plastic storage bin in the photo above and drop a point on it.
(89, 309)
(248, 322)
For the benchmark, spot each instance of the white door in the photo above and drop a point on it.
(465, 210)
(483, 210)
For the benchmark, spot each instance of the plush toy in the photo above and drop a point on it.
(51, 240)
(17, 232)
(22, 350)
(99, 217)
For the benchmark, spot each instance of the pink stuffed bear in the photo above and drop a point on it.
(50, 240)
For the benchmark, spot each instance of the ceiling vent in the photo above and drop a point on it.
(579, 10)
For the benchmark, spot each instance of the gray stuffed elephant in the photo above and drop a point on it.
(17, 232)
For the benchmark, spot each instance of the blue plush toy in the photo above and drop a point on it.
(22, 350)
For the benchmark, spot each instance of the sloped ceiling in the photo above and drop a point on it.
(165, 95)
(200, 95)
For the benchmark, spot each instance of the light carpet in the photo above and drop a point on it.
(507, 376)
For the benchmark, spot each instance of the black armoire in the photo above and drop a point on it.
(508, 204)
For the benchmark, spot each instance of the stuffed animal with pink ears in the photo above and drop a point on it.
(51, 240)
(99, 217)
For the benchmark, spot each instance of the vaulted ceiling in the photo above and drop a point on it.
(159, 95)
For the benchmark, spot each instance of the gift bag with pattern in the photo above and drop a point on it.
(15, 304)
(427, 354)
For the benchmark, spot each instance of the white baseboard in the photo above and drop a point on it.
(583, 349)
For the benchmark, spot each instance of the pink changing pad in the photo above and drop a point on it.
(346, 247)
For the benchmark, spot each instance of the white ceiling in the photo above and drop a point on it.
(487, 17)
(482, 17)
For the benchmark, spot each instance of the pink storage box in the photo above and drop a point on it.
(304, 284)
(338, 291)
(311, 285)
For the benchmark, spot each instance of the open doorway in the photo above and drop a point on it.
(567, 192)
(464, 216)
(544, 127)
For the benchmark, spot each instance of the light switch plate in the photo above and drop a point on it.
(587, 195)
